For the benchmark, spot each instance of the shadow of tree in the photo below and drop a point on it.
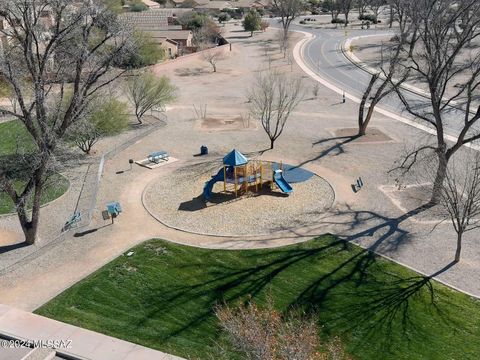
(359, 294)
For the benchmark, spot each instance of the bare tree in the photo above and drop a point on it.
(460, 196)
(287, 10)
(346, 6)
(382, 84)
(375, 6)
(362, 7)
(146, 92)
(72, 48)
(272, 99)
(212, 55)
(445, 30)
(402, 10)
(283, 42)
(265, 333)
(334, 8)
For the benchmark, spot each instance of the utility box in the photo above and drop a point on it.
(114, 208)
(203, 150)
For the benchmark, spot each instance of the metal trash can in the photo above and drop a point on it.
(203, 150)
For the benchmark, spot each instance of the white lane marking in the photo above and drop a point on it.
(297, 55)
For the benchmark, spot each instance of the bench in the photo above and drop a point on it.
(73, 220)
(157, 156)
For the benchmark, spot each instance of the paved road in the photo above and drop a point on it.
(324, 56)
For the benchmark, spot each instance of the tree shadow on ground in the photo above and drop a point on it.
(10, 247)
(184, 72)
(381, 301)
(334, 150)
(199, 203)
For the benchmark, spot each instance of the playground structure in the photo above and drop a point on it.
(245, 175)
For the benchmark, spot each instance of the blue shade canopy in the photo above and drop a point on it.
(234, 158)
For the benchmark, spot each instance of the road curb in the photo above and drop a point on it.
(298, 57)
(345, 48)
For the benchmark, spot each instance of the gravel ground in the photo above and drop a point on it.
(368, 217)
(176, 200)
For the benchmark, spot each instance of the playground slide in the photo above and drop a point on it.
(282, 183)
(207, 189)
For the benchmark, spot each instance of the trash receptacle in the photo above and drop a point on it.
(203, 150)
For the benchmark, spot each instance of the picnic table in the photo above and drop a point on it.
(157, 156)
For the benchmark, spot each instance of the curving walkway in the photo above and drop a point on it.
(366, 218)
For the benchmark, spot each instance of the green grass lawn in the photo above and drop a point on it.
(12, 135)
(162, 297)
(15, 138)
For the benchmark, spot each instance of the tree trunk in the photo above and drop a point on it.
(391, 15)
(440, 176)
(214, 68)
(272, 141)
(362, 126)
(139, 117)
(412, 44)
(30, 227)
(459, 246)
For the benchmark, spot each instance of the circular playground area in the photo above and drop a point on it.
(179, 200)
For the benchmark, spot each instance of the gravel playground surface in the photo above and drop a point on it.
(368, 217)
(177, 201)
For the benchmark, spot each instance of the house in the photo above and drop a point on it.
(183, 38)
(151, 4)
(182, 3)
(146, 20)
(154, 19)
(251, 4)
(213, 6)
(170, 46)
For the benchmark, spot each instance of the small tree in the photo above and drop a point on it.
(272, 99)
(252, 22)
(287, 10)
(212, 55)
(209, 32)
(460, 196)
(264, 24)
(110, 118)
(223, 17)
(346, 6)
(149, 52)
(146, 92)
(266, 333)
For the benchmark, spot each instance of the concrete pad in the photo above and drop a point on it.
(110, 348)
(84, 342)
(149, 165)
(28, 326)
(141, 353)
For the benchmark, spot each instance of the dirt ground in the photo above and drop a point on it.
(369, 217)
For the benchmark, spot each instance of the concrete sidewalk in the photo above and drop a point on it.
(71, 341)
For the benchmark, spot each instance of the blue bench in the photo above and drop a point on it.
(157, 156)
(73, 220)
